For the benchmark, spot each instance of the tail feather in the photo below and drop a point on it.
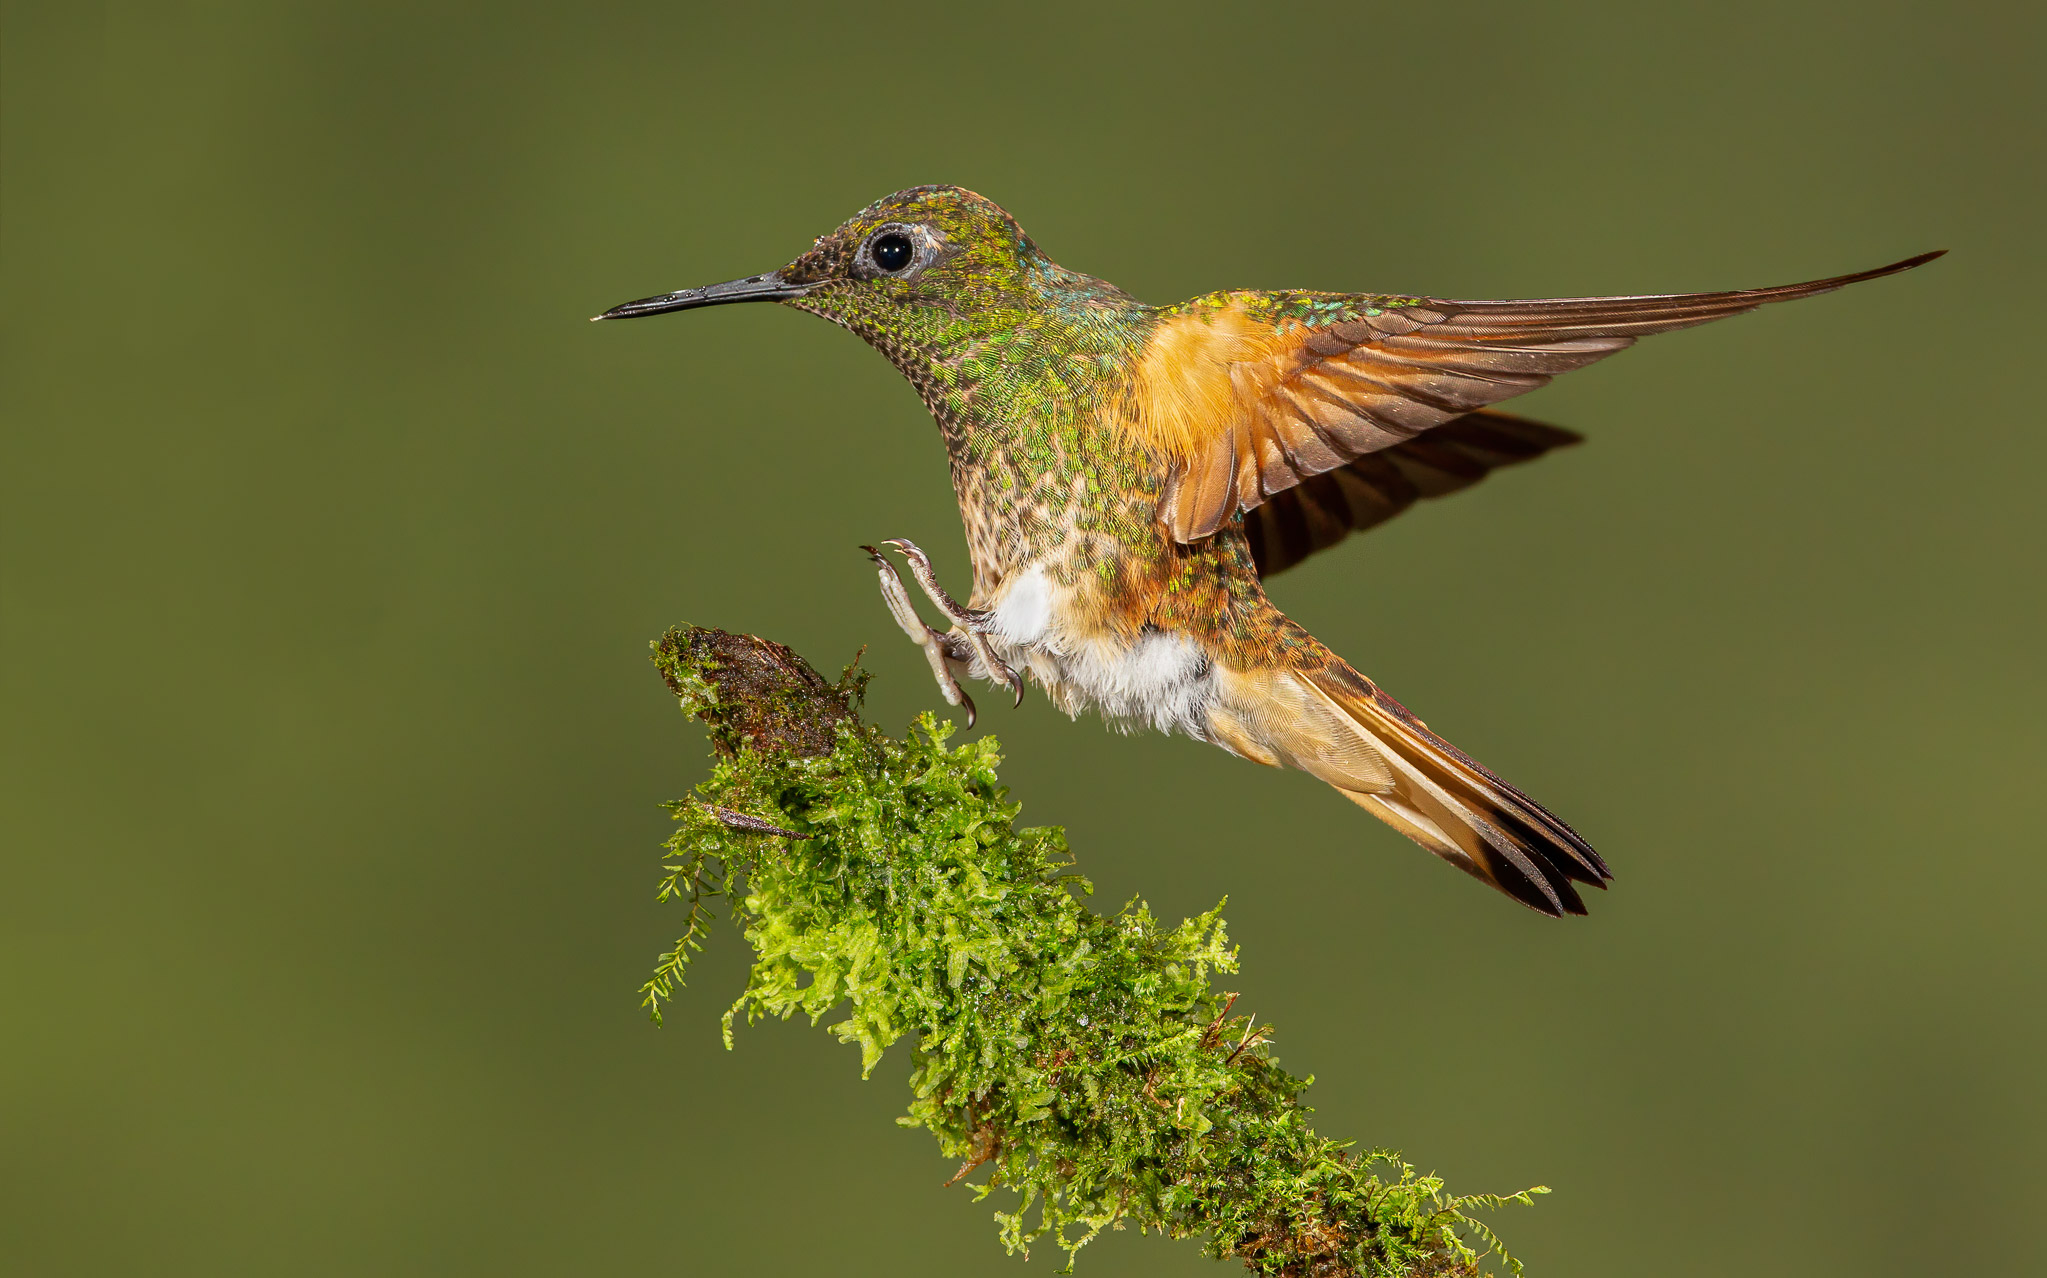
(1336, 724)
(1471, 817)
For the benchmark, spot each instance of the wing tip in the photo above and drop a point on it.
(1906, 264)
(1919, 259)
(1538, 434)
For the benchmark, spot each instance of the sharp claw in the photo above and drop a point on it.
(1003, 673)
(967, 704)
(997, 669)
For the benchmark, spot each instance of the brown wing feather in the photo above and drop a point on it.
(1325, 508)
(1321, 397)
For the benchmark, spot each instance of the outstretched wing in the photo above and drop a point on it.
(1322, 510)
(1250, 394)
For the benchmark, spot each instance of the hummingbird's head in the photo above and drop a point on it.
(907, 269)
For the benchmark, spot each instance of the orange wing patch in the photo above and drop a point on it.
(1187, 387)
(1197, 392)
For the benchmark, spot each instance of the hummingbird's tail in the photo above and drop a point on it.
(1336, 724)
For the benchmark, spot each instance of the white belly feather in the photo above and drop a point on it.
(1155, 680)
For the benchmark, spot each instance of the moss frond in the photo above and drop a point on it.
(1086, 1066)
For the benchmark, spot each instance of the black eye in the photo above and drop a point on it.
(892, 252)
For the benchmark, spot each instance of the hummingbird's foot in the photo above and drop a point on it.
(970, 623)
(943, 651)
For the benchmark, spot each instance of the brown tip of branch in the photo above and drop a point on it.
(763, 697)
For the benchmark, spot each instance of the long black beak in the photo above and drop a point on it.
(754, 288)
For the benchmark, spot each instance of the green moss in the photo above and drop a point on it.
(1087, 1063)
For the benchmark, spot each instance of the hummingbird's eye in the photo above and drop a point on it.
(892, 252)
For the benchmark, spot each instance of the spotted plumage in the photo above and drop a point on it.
(1129, 474)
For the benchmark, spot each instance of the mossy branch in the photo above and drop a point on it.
(1088, 1062)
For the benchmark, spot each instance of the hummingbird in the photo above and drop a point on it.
(1129, 475)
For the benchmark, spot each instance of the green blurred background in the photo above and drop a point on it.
(334, 539)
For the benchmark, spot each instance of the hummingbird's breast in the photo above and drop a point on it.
(1027, 413)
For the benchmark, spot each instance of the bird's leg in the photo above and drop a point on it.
(970, 624)
(943, 651)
